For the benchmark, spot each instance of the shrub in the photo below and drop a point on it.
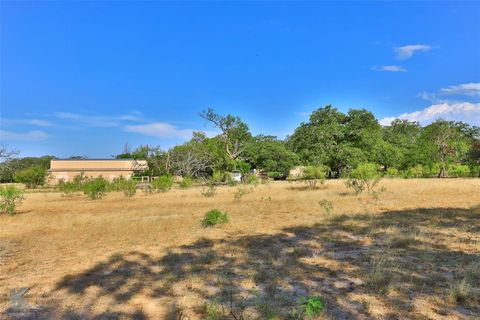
(312, 306)
(95, 188)
(251, 179)
(415, 172)
(214, 217)
(186, 183)
(162, 183)
(10, 197)
(32, 177)
(313, 174)
(364, 177)
(458, 170)
(68, 188)
(392, 172)
(129, 188)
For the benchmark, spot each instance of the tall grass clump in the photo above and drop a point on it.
(214, 217)
(129, 188)
(162, 183)
(186, 183)
(10, 197)
(363, 178)
(95, 188)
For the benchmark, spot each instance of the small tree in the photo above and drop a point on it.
(32, 177)
(10, 197)
(364, 177)
(95, 188)
(314, 174)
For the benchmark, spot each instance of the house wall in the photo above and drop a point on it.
(67, 170)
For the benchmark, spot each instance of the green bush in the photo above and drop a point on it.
(313, 306)
(186, 183)
(214, 217)
(68, 187)
(95, 188)
(162, 183)
(10, 197)
(363, 178)
(32, 177)
(458, 170)
(314, 174)
(392, 172)
(251, 179)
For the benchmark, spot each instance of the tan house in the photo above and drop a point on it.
(110, 169)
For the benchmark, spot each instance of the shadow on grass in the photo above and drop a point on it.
(366, 266)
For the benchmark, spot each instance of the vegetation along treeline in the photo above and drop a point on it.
(331, 139)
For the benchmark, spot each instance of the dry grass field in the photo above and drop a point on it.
(411, 252)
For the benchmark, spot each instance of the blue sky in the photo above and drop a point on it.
(84, 78)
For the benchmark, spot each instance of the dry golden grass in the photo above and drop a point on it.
(412, 252)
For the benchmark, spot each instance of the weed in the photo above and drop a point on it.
(378, 279)
(213, 311)
(214, 217)
(129, 188)
(241, 191)
(326, 205)
(10, 197)
(312, 306)
(186, 183)
(460, 292)
(208, 191)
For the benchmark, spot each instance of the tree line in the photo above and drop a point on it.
(339, 142)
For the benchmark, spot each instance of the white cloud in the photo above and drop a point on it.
(34, 135)
(467, 89)
(390, 68)
(160, 130)
(39, 123)
(459, 111)
(98, 121)
(408, 51)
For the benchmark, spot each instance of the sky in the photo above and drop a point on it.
(85, 78)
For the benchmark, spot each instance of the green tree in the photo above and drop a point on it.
(270, 155)
(234, 132)
(444, 142)
(32, 177)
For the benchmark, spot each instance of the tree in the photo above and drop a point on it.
(317, 141)
(445, 142)
(235, 134)
(7, 164)
(402, 137)
(32, 177)
(270, 155)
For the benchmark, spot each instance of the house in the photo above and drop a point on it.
(110, 169)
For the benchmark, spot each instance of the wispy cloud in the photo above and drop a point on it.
(98, 121)
(461, 111)
(34, 135)
(406, 52)
(390, 68)
(467, 89)
(39, 123)
(160, 130)
(444, 94)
